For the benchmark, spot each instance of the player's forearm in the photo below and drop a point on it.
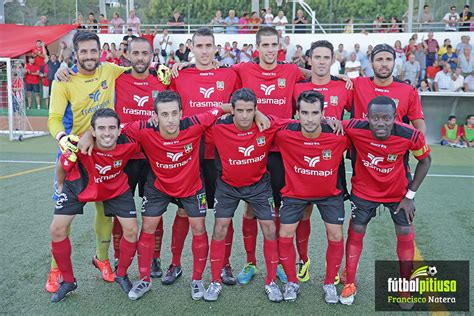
(305, 72)
(420, 125)
(226, 108)
(420, 173)
(55, 125)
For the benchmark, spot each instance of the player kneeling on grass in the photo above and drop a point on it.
(94, 178)
(381, 175)
(312, 156)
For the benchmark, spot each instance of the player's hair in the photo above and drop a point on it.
(245, 95)
(165, 97)
(266, 31)
(83, 36)
(451, 117)
(449, 46)
(321, 43)
(204, 31)
(310, 96)
(382, 100)
(469, 116)
(139, 40)
(104, 113)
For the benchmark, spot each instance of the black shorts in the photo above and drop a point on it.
(363, 211)
(68, 204)
(33, 87)
(331, 209)
(155, 203)
(137, 172)
(209, 176)
(277, 175)
(258, 195)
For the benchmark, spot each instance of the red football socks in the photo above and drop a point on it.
(62, 254)
(288, 257)
(218, 248)
(334, 254)
(406, 252)
(354, 244)
(179, 232)
(127, 252)
(158, 239)
(249, 232)
(116, 236)
(270, 252)
(302, 238)
(229, 238)
(200, 248)
(146, 245)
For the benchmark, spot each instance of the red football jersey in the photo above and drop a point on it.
(175, 162)
(311, 165)
(29, 77)
(39, 60)
(201, 90)
(380, 167)
(103, 172)
(405, 96)
(336, 97)
(242, 156)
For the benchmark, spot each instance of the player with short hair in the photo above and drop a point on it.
(98, 177)
(381, 175)
(468, 131)
(312, 154)
(72, 105)
(337, 98)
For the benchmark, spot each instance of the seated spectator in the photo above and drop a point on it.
(133, 22)
(254, 22)
(114, 54)
(341, 55)
(281, 54)
(410, 48)
(103, 24)
(217, 22)
(243, 24)
(359, 54)
(268, 17)
(395, 26)
(170, 59)
(444, 49)
(451, 19)
(117, 22)
(465, 43)
(424, 86)
(182, 53)
(464, 19)
(472, 24)
(349, 27)
(79, 20)
(235, 51)
(451, 134)
(129, 36)
(425, 18)
(335, 69)
(32, 80)
(450, 57)
(298, 57)
(105, 52)
(92, 22)
(227, 57)
(431, 72)
(411, 70)
(467, 133)
(444, 79)
(300, 21)
(231, 23)
(177, 23)
(280, 22)
(123, 59)
(469, 83)
(458, 83)
(352, 67)
(244, 56)
(165, 44)
(251, 50)
(217, 55)
(466, 62)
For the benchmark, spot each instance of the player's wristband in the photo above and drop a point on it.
(410, 194)
(60, 135)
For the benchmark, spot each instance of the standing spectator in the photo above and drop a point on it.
(217, 22)
(123, 59)
(290, 49)
(411, 70)
(466, 62)
(171, 59)
(53, 66)
(281, 53)
(42, 21)
(458, 83)
(227, 57)
(235, 51)
(280, 22)
(182, 53)
(245, 56)
(465, 19)
(114, 54)
(425, 18)
(395, 26)
(251, 49)
(117, 22)
(92, 22)
(352, 66)
(65, 53)
(467, 133)
(32, 80)
(231, 23)
(420, 57)
(45, 83)
(451, 134)
(424, 86)
(365, 65)
(410, 48)
(464, 44)
(298, 57)
(360, 55)
(254, 22)
(444, 49)
(335, 69)
(300, 21)
(377, 25)
(341, 55)
(268, 17)
(431, 72)
(105, 52)
(400, 59)
(431, 45)
(243, 24)
(129, 36)
(150, 36)
(450, 57)
(349, 27)
(103, 24)
(166, 45)
(444, 79)
(451, 19)
(39, 53)
(469, 83)
(79, 20)
(133, 22)
(177, 23)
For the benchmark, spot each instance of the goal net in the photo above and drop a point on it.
(14, 121)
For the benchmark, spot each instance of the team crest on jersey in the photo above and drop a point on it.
(220, 85)
(117, 163)
(396, 102)
(392, 158)
(154, 94)
(334, 100)
(202, 202)
(188, 148)
(281, 83)
(104, 84)
(261, 141)
(327, 154)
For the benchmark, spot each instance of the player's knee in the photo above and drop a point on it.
(335, 235)
(220, 229)
(286, 231)
(198, 227)
(268, 229)
(130, 233)
(181, 212)
(403, 230)
(58, 232)
(149, 224)
(359, 228)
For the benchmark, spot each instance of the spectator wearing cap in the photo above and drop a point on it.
(133, 22)
(465, 19)
(451, 19)
(117, 22)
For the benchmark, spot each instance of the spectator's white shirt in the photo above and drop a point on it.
(444, 81)
(268, 19)
(470, 83)
(458, 84)
(283, 20)
(452, 18)
(353, 64)
(167, 47)
(335, 68)
(244, 58)
(290, 52)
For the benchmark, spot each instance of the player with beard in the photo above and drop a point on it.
(73, 103)
(337, 98)
(202, 87)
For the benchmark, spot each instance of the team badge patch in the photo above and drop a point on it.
(154, 94)
(117, 163)
(281, 83)
(334, 100)
(220, 85)
(202, 202)
(396, 102)
(261, 141)
(188, 148)
(392, 158)
(271, 202)
(327, 154)
(104, 84)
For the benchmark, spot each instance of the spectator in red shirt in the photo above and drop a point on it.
(44, 74)
(32, 80)
(431, 72)
(149, 36)
(281, 55)
(39, 52)
(103, 24)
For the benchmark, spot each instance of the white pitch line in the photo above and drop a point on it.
(27, 161)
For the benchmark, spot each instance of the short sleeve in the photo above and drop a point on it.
(208, 118)
(415, 110)
(418, 146)
(132, 130)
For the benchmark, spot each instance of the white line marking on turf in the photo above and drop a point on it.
(27, 161)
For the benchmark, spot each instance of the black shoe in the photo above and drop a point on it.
(227, 276)
(64, 288)
(171, 275)
(124, 283)
(156, 271)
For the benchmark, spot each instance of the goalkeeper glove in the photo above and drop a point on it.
(70, 156)
(164, 74)
(68, 143)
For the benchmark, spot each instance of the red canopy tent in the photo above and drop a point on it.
(16, 40)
